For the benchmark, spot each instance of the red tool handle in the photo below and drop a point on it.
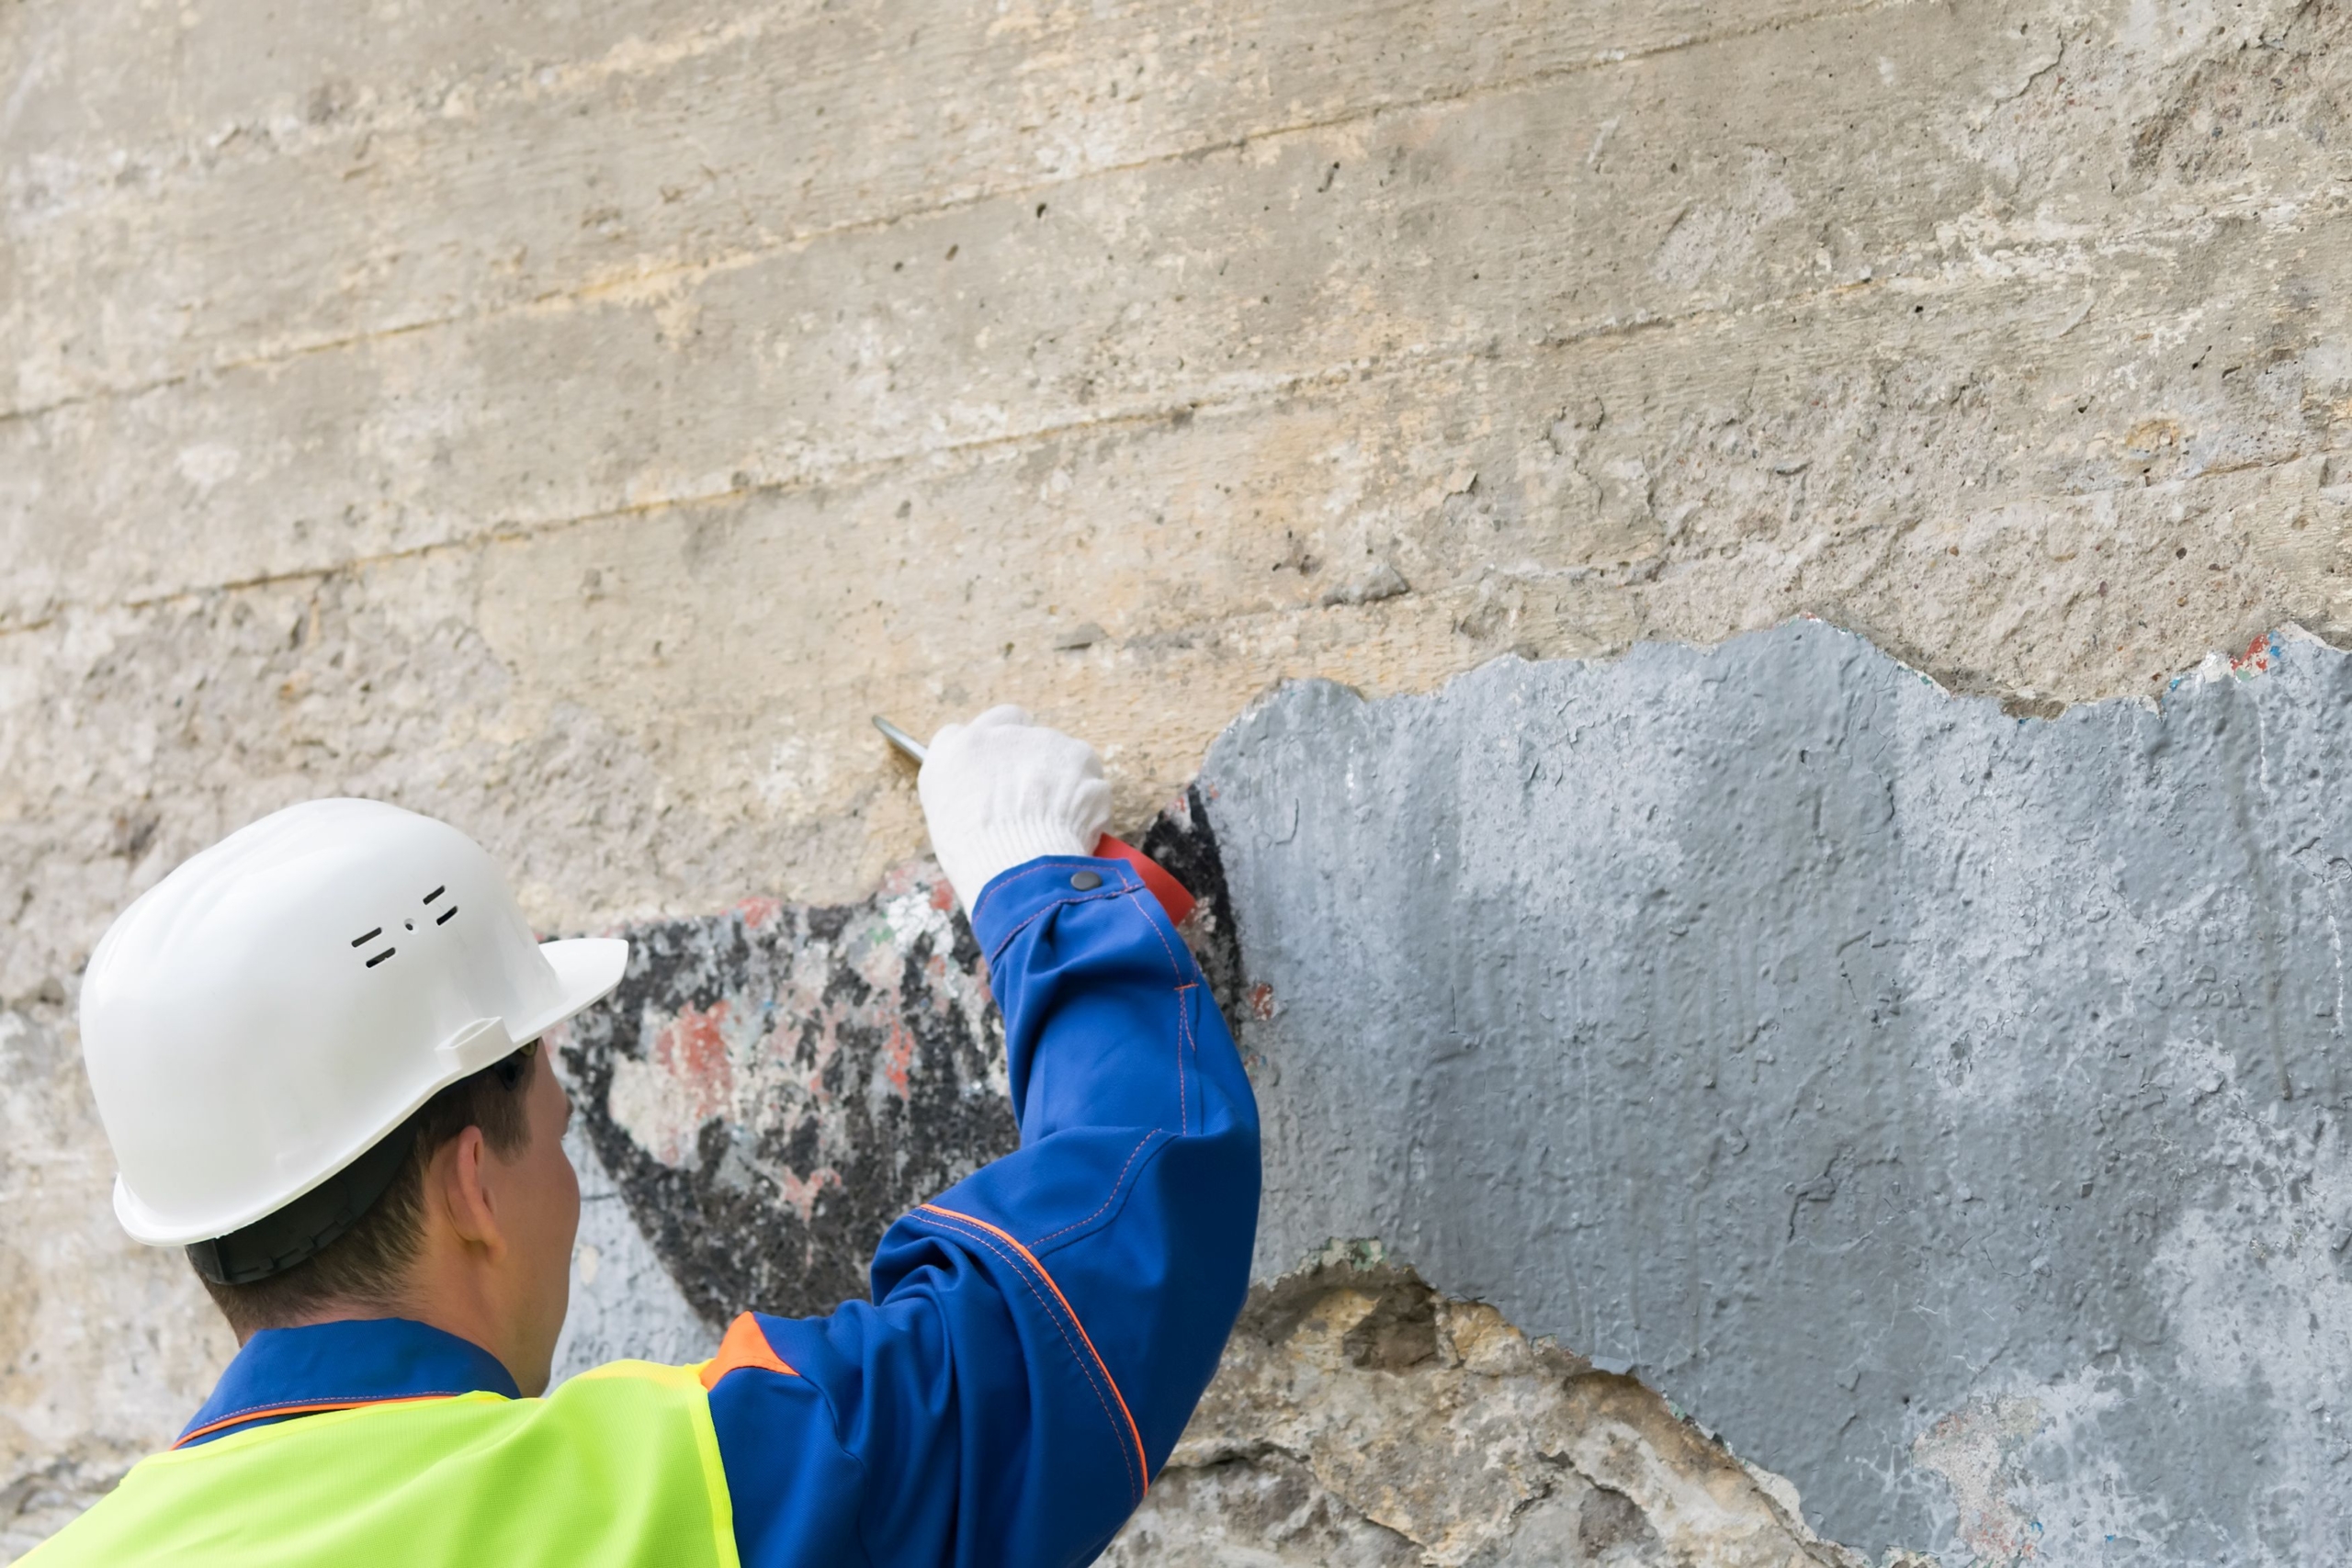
(1173, 895)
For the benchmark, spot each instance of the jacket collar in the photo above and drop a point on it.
(285, 1372)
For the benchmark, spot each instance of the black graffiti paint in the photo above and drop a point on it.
(771, 1087)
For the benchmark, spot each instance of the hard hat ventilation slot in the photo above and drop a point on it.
(364, 941)
(436, 892)
(381, 956)
(443, 918)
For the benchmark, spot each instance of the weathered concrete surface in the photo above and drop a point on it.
(574, 419)
(625, 341)
(1362, 1419)
(776, 1084)
(1948, 1108)
(84, 1393)
(624, 1300)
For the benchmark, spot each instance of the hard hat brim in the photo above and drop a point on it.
(587, 970)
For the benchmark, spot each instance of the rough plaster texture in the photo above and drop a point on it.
(1363, 1419)
(573, 417)
(1948, 1108)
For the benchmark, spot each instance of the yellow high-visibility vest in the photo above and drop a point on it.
(618, 1468)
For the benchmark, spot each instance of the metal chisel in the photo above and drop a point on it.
(1173, 895)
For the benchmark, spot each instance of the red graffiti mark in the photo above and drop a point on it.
(897, 1063)
(1261, 1002)
(692, 1051)
(2256, 656)
(801, 1191)
(757, 912)
(943, 895)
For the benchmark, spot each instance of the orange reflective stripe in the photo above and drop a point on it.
(268, 1411)
(1142, 1459)
(745, 1345)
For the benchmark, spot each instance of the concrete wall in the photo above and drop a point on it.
(574, 418)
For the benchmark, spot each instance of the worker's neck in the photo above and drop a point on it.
(491, 1259)
(444, 1293)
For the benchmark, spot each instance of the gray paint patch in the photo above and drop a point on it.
(1945, 1107)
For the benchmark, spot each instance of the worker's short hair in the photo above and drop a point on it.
(364, 1264)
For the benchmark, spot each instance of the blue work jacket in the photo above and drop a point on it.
(1038, 1334)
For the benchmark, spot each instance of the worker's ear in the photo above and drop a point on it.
(463, 1178)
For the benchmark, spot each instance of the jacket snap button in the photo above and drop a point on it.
(1085, 881)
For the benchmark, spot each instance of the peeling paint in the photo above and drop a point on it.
(1362, 1418)
(1975, 1451)
(771, 1088)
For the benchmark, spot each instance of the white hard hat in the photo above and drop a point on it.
(279, 1004)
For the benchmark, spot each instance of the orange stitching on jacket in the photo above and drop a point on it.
(264, 1412)
(1173, 967)
(965, 1220)
(1090, 1219)
(1127, 880)
(1192, 1049)
(963, 1233)
(1183, 1049)
(1108, 890)
(1143, 1459)
(993, 891)
(1183, 1099)
(1091, 1386)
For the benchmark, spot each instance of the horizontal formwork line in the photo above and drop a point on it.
(529, 533)
(861, 474)
(2324, 204)
(596, 72)
(677, 273)
(2058, 256)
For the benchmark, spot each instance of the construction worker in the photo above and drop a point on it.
(315, 1050)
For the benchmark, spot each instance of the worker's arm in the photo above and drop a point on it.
(1040, 1332)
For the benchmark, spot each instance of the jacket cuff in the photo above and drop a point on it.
(1013, 898)
(1007, 846)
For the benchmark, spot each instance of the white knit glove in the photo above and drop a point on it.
(1000, 792)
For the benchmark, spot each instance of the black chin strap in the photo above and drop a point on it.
(308, 1225)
